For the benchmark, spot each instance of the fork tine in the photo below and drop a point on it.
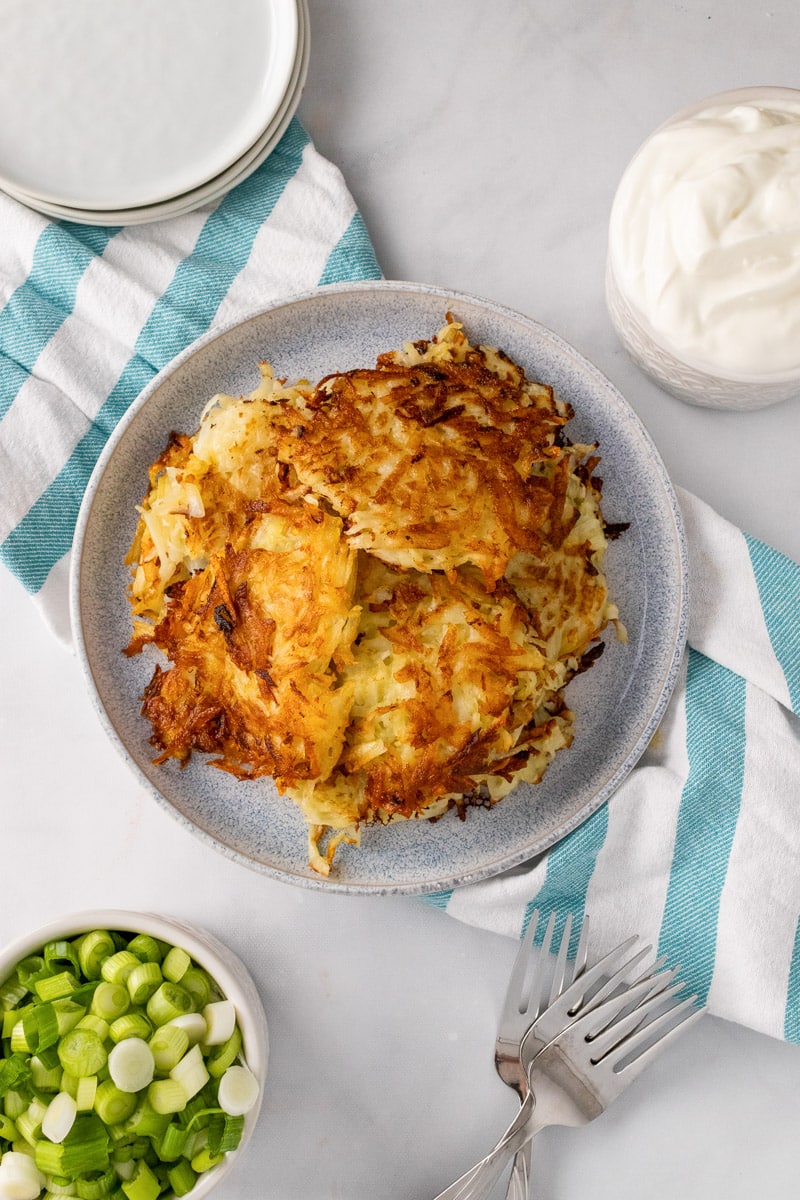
(653, 984)
(568, 1005)
(615, 982)
(633, 1035)
(639, 1049)
(611, 1029)
(561, 968)
(582, 953)
(536, 1002)
(516, 982)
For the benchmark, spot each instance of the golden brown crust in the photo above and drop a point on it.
(429, 462)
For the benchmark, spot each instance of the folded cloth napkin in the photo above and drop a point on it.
(89, 314)
(699, 849)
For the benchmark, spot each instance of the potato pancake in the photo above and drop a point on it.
(373, 590)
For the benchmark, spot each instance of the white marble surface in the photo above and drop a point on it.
(483, 142)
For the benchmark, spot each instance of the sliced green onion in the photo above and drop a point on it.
(198, 985)
(96, 1024)
(94, 948)
(170, 1000)
(46, 1079)
(200, 1108)
(176, 964)
(48, 1057)
(85, 1093)
(145, 1122)
(193, 1024)
(181, 1177)
(224, 1133)
(68, 1013)
(11, 992)
(169, 1043)
(8, 1130)
(59, 1185)
(118, 967)
(19, 1043)
(84, 1149)
(84, 992)
(14, 1103)
(124, 1167)
(146, 948)
(12, 1017)
(96, 1186)
(204, 1160)
(39, 1027)
(191, 1072)
(53, 987)
(60, 1117)
(143, 981)
(61, 955)
(19, 1176)
(143, 1184)
(131, 1064)
(173, 1143)
(238, 1090)
(29, 1123)
(81, 1052)
(220, 1018)
(224, 1056)
(133, 1024)
(30, 969)
(110, 1000)
(112, 1105)
(167, 1096)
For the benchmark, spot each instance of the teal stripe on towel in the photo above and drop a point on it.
(570, 865)
(184, 312)
(709, 809)
(791, 1025)
(44, 300)
(352, 257)
(778, 581)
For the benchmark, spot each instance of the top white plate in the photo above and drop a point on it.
(106, 106)
(618, 703)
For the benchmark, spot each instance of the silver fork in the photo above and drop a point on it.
(598, 1036)
(527, 995)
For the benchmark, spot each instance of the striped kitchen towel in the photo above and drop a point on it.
(699, 849)
(89, 314)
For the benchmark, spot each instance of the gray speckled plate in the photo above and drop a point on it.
(618, 703)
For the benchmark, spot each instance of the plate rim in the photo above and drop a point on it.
(669, 676)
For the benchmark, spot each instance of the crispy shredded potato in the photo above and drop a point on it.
(375, 589)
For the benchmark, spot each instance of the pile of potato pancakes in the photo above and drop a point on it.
(373, 589)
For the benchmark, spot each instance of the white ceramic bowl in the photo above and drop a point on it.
(679, 373)
(228, 972)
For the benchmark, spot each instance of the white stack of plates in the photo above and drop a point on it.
(117, 114)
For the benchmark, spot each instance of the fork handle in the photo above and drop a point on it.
(478, 1181)
(519, 1180)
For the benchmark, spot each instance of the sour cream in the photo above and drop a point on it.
(704, 238)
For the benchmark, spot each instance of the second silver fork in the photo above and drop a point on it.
(531, 988)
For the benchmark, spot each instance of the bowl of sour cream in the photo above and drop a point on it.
(703, 269)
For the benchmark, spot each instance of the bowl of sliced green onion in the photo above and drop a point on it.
(133, 1054)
